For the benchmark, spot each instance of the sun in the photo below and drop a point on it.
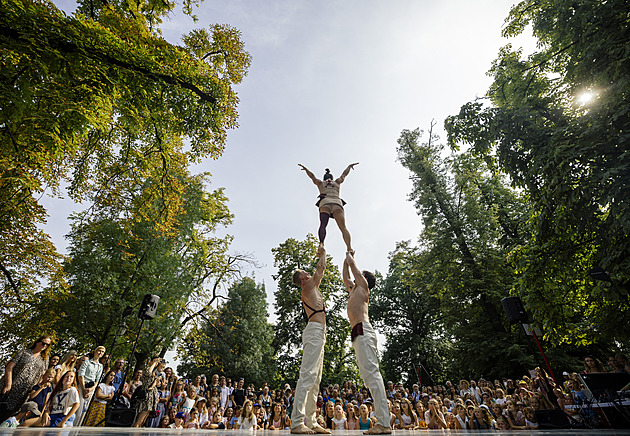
(586, 97)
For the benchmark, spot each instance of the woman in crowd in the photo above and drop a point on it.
(136, 382)
(21, 373)
(496, 411)
(420, 415)
(163, 394)
(67, 363)
(592, 364)
(514, 416)
(54, 361)
(482, 420)
(150, 378)
(433, 416)
(409, 418)
(104, 393)
(396, 419)
(276, 420)
(461, 417)
(64, 401)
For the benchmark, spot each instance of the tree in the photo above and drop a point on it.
(410, 318)
(469, 219)
(569, 157)
(339, 361)
(235, 339)
(116, 258)
(99, 98)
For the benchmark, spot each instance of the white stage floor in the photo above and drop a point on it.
(147, 432)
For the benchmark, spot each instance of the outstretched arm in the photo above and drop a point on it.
(310, 174)
(321, 265)
(346, 276)
(346, 172)
(358, 275)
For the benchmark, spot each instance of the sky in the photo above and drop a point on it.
(333, 83)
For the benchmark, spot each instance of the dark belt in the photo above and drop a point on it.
(357, 330)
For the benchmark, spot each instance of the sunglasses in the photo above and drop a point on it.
(46, 344)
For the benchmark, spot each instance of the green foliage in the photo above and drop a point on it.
(339, 360)
(235, 339)
(101, 100)
(448, 290)
(571, 159)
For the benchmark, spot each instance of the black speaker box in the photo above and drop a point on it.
(551, 419)
(514, 310)
(149, 306)
(121, 418)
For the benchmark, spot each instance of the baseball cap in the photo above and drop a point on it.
(30, 406)
(180, 415)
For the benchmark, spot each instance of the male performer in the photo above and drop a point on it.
(364, 340)
(329, 204)
(313, 340)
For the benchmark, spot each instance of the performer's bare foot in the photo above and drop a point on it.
(319, 429)
(302, 429)
(378, 429)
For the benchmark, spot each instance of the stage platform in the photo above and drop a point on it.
(147, 432)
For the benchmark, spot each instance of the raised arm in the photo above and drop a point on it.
(311, 175)
(346, 172)
(346, 276)
(321, 265)
(358, 275)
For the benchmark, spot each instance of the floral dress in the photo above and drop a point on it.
(26, 373)
(150, 403)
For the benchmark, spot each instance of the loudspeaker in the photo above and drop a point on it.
(148, 307)
(514, 310)
(121, 418)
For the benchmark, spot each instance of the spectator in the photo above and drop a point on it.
(21, 373)
(503, 424)
(514, 416)
(88, 376)
(433, 416)
(238, 394)
(409, 418)
(28, 415)
(460, 415)
(54, 361)
(67, 363)
(119, 375)
(216, 422)
(247, 421)
(150, 378)
(592, 364)
(104, 393)
(339, 420)
(65, 402)
(531, 423)
(41, 391)
(365, 423)
(178, 421)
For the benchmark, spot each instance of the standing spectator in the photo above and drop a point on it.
(225, 392)
(119, 375)
(88, 376)
(238, 395)
(21, 373)
(150, 380)
(104, 393)
(54, 360)
(67, 363)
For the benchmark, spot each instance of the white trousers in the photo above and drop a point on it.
(366, 350)
(307, 388)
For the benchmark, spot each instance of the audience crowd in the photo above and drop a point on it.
(72, 390)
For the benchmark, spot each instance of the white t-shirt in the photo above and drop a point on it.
(246, 424)
(64, 400)
(105, 390)
(339, 423)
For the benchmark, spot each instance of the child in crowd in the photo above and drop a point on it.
(339, 420)
(531, 423)
(247, 421)
(64, 402)
(42, 390)
(193, 419)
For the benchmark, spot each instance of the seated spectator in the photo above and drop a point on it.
(409, 418)
(514, 416)
(28, 416)
(216, 422)
(193, 419)
(496, 411)
(41, 391)
(365, 423)
(65, 401)
(247, 421)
